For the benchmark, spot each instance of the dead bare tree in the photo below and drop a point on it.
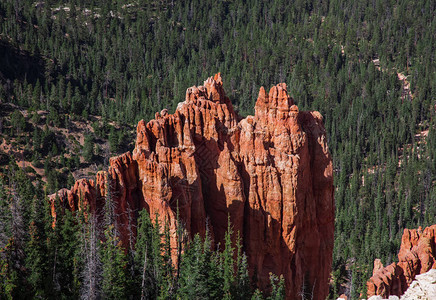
(144, 269)
(17, 225)
(92, 271)
(132, 228)
(5, 217)
(307, 290)
(109, 205)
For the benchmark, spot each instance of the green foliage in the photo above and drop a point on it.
(8, 274)
(242, 288)
(198, 271)
(17, 121)
(113, 140)
(205, 273)
(65, 246)
(167, 281)
(257, 295)
(114, 285)
(147, 258)
(36, 250)
(278, 288)
(228, 263)
(88, 148)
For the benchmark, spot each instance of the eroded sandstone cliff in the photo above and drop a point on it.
(417, 256)
(271, 173)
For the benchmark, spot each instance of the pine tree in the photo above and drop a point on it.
(227, 262)
(114, 265)
(8, 273)
(88, 148)
(148, 257)
(18, 121)
(65, 251)
(167, 284)
(8, 257)
(242, 279)
(257, 295)
(278, 289)
(113, 140)
(193, 272)
(37, 260)
(14, 236)
(214, 275)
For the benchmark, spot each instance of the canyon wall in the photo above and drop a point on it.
(270, 173)
(417, 256)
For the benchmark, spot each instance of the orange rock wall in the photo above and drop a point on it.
(270, 173)
(417, 255)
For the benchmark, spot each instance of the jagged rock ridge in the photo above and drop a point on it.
(271, 173)
(416, 256)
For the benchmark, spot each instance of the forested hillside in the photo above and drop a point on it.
(367, 66)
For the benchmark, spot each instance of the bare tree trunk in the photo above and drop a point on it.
(17, 223)
(92, 267)
(54, 278)
(144, 267)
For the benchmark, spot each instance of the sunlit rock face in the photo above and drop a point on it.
(270, 174)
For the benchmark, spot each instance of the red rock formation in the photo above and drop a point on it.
(416, 256)
(82, 194)
(271, 173)
(122, 182)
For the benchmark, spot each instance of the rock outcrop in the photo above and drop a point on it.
(270, 173)
(423, 287)
(416, 256)
(121, 180)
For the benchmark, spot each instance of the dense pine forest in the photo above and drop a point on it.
(98, 68)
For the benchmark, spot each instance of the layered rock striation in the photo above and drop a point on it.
(417, 256)
(270, 173)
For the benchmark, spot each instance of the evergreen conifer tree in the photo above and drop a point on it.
(37, 260)
(114, 265)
